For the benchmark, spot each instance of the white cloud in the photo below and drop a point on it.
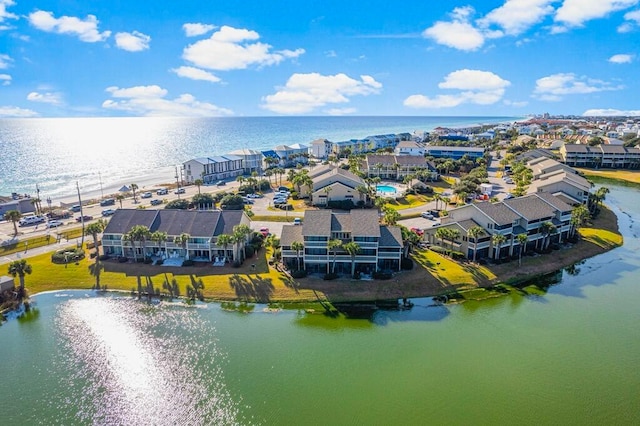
(621, 58)
(574, 13)
(86, 30)
(11, 111)
(517, 16)
(132, 42)
(5, 79)
(515, 104)
(5, 61)
(232, 48)
(45, 98)
(4, 13)
(632, 21)
(475, 86)
(196, 29)
(195, 74)
(610, 112)
(341, 111)
(458, 33)
(304, 93)
(150, 101)
(554, 87)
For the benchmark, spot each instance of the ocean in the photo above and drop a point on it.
(102, 154)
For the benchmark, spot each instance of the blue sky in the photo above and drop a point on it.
(261, 58)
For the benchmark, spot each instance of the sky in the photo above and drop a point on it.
(78, 58)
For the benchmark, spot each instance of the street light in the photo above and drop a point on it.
(49, 203)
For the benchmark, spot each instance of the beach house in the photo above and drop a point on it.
(202, 228)
(380, 246)
(213, 169)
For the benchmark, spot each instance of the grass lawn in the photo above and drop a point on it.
(298, 206)
(626, 175)
(409, 201)
(42, 240)
(453, 274)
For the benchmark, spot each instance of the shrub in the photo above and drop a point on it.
(357, 275)
(330, 276)
(104, 257)
(148, 260)
(187, 262)
(249, 251)
(67, 255)
(236, 264)
(159, 261)
(406, 264)
(177, 204)
(300, 273)
(341, 204)
(232, 202)
(123, 259)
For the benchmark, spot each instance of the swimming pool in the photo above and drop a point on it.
(386, 189)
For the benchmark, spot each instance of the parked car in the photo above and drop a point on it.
(76, 208)
(179, 191)
(417, 231)
(264, 231)
(254, 196)
(54, 223)
(427, 215)
(156, 202)
(221, 183)
(162, 191)
(146, 195)
(86, 218)
(279, 201)
(509, 196)
(108, 212)
(30, 220)
(297, 221)
(247, 200)
(107, 202)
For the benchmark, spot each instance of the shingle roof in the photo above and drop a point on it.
(341, 222)
(290, 233)
(195, 223)
(417, 160)
(390, 236)
(228, 219)
(576, 148)
(498, 212)
(365, 223)
(316, 222)
(531, 207)
(554, 201)
(468, 224)
(124, 219)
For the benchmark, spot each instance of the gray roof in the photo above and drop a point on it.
(576, 148)
(498, 212)
(341, 222)
(365, 223)
(613, 149)
(468, 224)
(290, 233)
(554, 201)
(124, 219)
(417, 160)
(390, 236)
(316, 222)
(531, 207)
(228, 219)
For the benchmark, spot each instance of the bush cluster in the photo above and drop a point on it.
(330, 276)
(341, 204)
(67, 255)
(300, 273)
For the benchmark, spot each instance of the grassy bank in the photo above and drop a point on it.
(613, 175)
(256, 281)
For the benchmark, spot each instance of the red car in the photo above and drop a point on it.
(87, 218)
(264, 231)
(417, 231)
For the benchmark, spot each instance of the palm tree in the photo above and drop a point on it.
(378, 167)
(94, 229)
(298, 247)
(522, 239)
(134, 187)
(198, 183)
(601, 195)
(268, 173)
(13, 216)
(546, 229)
(140, 233)
(475, 232)
(353, 249)
(442, 234)
(240, 233)
(327, 190)
(20, 268)
(453, 235)
(224, 241)
(182, 241)
(159, 238)
(333, 245)
(437, 198)
(120, 197)
(578, 216)
(497, 240)
(240, 180)
(391, 215)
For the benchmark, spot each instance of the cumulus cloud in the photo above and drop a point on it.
(45, 98)
(85, 29)
(304, 93)
(515, 104)
(632, 21)
(150, 101)
(457, 33)
(554, 87)
(474, 86)
(132, 42)
(234, 48)
(516, 16)
(195, 74)
(5, 61)
(12, 111)
(574, 13)
(621, 59)
(5, 79)
(611, 112)
(196, 29)
(341, 111)
(4, 13)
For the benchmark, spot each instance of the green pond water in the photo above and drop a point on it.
(568, 353)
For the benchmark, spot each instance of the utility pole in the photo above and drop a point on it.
(101, 192)
(38, 209)
(177, 182)
(81, 214)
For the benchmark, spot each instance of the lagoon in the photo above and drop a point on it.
(562, 352)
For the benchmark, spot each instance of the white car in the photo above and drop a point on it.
(108, 212)
(146, 195)
(427, 215)
(30, 220)
(179, 191)
(54, 223)
(162, 191)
